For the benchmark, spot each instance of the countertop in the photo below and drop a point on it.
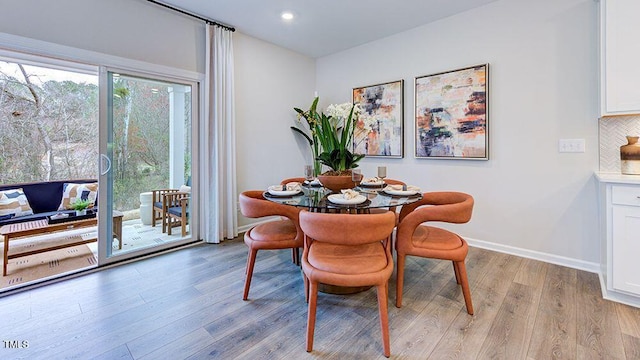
(619, 178)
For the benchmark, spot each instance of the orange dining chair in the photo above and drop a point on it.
(295, 253)
(413, 238)
(283, 233)
(293, 179)
(347, 250)
(394, 182)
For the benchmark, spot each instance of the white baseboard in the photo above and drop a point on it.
(563, 261)
(536, 255)
(245, 228)
(617, 296)
(591, 267)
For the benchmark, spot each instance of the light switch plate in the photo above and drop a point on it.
(571, 145)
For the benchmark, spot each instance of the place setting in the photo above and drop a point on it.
(400, 190)
(348, 197)
(310, 179)
(290, 189)
(377, 181)
(362, 193)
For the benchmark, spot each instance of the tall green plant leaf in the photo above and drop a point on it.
(303, 134)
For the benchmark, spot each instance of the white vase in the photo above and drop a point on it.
(81, 212)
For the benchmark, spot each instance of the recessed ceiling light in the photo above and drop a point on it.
(287, 15)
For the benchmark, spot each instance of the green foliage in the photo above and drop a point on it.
(328, 135)
(312, 118)
(340, 159)
(80, 204)
(120, 91)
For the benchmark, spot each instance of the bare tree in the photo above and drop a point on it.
(44, 135)
(49, 131)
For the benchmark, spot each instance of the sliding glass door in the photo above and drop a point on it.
(48, 150)
(146, 165)
(59, 120)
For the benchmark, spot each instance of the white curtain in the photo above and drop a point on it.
(219, 207)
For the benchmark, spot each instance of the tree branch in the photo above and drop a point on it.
(30, 86)
(17, 97)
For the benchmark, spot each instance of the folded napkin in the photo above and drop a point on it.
(275, 188)
(373, 180)
(400, 188)
(292, 186)
(349, 194)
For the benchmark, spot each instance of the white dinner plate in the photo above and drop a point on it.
(283, 192)
(339, 199)
(367, 183)
(401, 192)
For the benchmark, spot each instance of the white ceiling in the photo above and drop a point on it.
(323, 27)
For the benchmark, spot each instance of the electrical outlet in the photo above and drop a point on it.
(571, 145)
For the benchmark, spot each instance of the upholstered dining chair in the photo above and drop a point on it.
(394, 182)
(347, 250)
(282, 233)
(293, 179)
(295, 253)
(413, 238)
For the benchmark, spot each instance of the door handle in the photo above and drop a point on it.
(104, 159)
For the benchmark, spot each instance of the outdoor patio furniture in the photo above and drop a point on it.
(44, 198)
(177, 205)
(160, 206)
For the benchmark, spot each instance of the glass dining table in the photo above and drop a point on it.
(318, 199)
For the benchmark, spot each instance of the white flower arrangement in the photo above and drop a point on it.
(341, 111)
(331, 136)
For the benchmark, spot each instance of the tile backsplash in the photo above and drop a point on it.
(612, 132)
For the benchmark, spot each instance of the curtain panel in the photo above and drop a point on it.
(219, 207)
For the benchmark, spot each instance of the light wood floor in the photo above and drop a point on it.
(187, 304)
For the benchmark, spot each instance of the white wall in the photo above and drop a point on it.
(269, 82)
(132, 29)
(542, 87)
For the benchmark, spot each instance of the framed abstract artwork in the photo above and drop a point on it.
(379, 128)
(451, 114)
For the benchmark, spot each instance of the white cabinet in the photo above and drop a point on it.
(620, 221)
(619, 55)
(625, 238)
